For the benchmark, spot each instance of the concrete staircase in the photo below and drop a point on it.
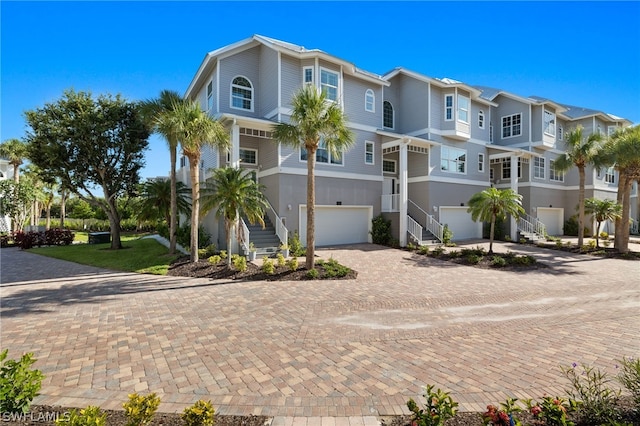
(265, 240)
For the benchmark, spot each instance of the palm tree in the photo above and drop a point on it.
(157, 113)
(157, 200)
(623, 150)
(580, 152)
(492, 203)
(194, 129)
(234, 194)
(602, 210)
(314, 119)
(15, 151)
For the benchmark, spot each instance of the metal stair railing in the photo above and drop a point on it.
(281, 231)
(243, 232)
(430, 223)
(414, 229)
(532, 226)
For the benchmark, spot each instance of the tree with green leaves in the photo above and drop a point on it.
(623, 151)
(156, 200)
(194, 129)
(602, 210)
(16, 152)
(491, 204)
(16, 200)
(234, 194)
(157, 112)
(315, 121)
(580, 151)
(89, 144)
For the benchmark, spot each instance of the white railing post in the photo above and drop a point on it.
(244, 236)
(414, 229)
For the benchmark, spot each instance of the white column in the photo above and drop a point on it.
(404, 192)
(514, 187)
(235, 145)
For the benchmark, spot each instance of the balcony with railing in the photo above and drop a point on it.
(390, 203)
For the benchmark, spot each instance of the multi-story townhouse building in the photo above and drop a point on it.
(423, 146)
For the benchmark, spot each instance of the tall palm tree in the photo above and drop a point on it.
(194, 129)
(623, 150)
(492, 203)
(15, 151)
(314, 119)
(157, 200)
(157, 113)
(602, 210)
(235, 194)
(580, 152)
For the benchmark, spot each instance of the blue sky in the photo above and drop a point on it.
(579, 53)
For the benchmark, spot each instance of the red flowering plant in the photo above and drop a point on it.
(552, 410)
(438, 408)
(502, 416)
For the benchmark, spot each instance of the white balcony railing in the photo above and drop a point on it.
(390, 203)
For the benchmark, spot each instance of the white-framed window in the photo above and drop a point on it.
(249, 156)
(538, 168)
(463, 109)
(610, 175)
(506, 168)
(549, 123)
(369, 101)
(555, 175)
(210, 96)
(329, 82)
(369, 157)
(389, 166)
(453, 160)
(387, 115)
(323, 155)
(183, 161)
(491, 174)
(481, 162)
(481, 119)
(560, 133)
(448, 107)
(511, 125)
(611, 130)
(242, 93)
(307, 75)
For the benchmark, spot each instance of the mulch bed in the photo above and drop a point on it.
(204, 269)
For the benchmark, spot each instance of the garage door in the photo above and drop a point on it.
(460, 223)
(338, 224)
(553, 219)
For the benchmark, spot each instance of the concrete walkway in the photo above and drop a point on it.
(319, 353)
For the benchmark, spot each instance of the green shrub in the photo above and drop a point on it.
(606, 243)
(597, 402)
(473, 259)
(281, 261)
(333, 269)
(239, 262)
(498, 261)
(424, 250)
(295, 246)
(90, 416)
(199, 414)
(183, 236)
(604, 236)
(223, 254)
(292, 264)
(552, 410)
(140, 409)
(437, 252)
(629, 377)
(454, 254)
(312, 274)
(571, 227)
(498, 231)
(447, 234)
(502, 416)
(381, 230)
(267, 266)
(411, 247)
(19, 383)
(438, 408)
(523, 260)
(215, 259)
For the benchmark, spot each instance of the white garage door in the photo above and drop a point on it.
(460, 223)
(338, 224)
(553, 219)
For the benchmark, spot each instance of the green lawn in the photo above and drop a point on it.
(143, 256)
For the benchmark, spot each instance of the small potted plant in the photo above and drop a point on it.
(284, 247)
(252, 252)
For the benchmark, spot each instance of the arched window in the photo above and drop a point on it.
(241, 94)
(369, 101)
(387, 115)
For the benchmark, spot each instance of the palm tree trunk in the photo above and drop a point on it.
(16, 174)
(624, 225)
(47, 225)
(581, 207)
(311, 208)
(491, 231)
(63, 207)
(229, 227)
(194, 168)
(598, 234)
(617, 237)
(173, 218)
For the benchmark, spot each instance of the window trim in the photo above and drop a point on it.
(338, 83)
(610, 176)
(560, 133)
(481, 119)
(393, 115)
(231, 97)
(369, 93)
(210, 96)
(330, 159)
(549, 124)
(508, 161)
(304, 75)
(466, 110)
(248, 149)
(454, 160)
(390, 161)
(511, 126)
(448, 109)
(554, 175)
(481, 167)
(538, 167)
(373, 152)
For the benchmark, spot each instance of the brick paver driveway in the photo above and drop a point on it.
(319, 348)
